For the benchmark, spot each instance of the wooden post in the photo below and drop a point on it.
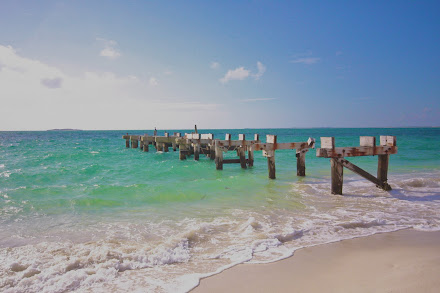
(270, 155)
(270, 163)
(196, 151)
(242, 157)
(212, 152)
(141, 144)
(134, 143)
(146, 146)
(241, 151)
(337, 173)
(337, 170)
(251, 151)
(301, 163)
(250, 157)
(127, 143)
(165, 147)
(174, 146)
(383, 160)
(182, 152)
(218, 157)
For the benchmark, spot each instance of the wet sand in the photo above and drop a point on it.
(402, 261)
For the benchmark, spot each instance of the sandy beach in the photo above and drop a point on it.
(402, 261)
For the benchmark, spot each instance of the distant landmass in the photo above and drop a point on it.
(64, 129)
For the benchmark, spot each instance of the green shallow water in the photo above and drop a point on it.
(82, 191)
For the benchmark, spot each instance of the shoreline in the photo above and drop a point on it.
(401, 261)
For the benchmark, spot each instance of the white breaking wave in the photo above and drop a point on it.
(172, 254)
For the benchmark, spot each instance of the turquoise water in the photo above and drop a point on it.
(79, 211)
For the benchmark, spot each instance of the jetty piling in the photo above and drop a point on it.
(204, 143)
(367, 147)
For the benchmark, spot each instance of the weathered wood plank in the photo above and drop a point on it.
(367, 141)
(183, 151)
(251, 158)
(127, 143)
(242, 156)
(337, 175)
(363, 173)
(382, 169)
(233, 161)
(163, 139)
(208, 136)
(271, 138)
(271, 164)
(388, 140)
(301, 162)
(355, 151)
(196, 152)
(327, 142)
(279, 146)
(218, 157)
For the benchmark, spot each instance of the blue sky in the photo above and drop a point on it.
(224, 64)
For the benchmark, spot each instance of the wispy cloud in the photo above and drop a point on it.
(237, 74)
(261, 70)
(153, 81)
(241, 73)
(109, 50)
(214, 65)
(306, 60)
(258, 99)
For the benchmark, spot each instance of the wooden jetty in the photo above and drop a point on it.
(242, 146)
(205, 144)
(196, 144)
(367, 147)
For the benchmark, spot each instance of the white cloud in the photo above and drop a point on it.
(241, 73)
(258, 99)
(261, 70)
(214, 65)
(35, 96)
(237, 74)
(110, 53)
(109, 50)
(153, 81)
(306, 60)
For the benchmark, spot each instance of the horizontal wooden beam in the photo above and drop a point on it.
(166, 139)
(356, 151)
(233, 161)
(280, 146)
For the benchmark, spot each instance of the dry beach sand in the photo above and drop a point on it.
(402, 261)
